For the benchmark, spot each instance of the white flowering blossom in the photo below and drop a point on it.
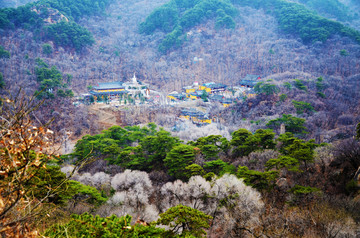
(128, 179)
(227, 199)
(134, 189)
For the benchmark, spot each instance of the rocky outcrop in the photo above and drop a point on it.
(50, 15)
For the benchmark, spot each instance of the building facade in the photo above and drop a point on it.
(132, 87)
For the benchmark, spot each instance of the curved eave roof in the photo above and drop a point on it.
(108, 93)
(109, 85)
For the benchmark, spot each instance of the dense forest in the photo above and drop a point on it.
(119, 42)
(60, 14)
(284, 163)
(292, 18)
(255, 184)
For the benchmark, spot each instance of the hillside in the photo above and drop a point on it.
(14, 3)
(255, 45)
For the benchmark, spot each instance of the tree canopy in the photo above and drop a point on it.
(86, 225)
(4, 53)
(296, 19)
(66, 33)
(178, 158)
(185, 220)
(292, 124)
(69, 34)
(51, 81)
(176, 17)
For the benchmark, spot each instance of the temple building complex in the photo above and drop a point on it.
(114, 89)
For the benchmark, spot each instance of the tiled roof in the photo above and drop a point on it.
(216, 97)
(208, 84)
(227, 101)
(110, 85)
(252, 77)
(197, 93)
(108, 93)
(178, 95)
(193, 113)
(217, 85)
(251, 83)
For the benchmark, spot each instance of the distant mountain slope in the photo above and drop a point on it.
(297, 20)
(178, 17)
(14, 3)
(54, 20)
(333, 9)
(256, 45)
(345, 11)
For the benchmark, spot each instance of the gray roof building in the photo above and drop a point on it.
(108, 86)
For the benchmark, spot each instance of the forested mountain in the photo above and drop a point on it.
(269, 50)
(331, 8)
(344, 11)
(287, 162)
(293, 19)
(258, 43)
(14, 3)
(54, 20)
